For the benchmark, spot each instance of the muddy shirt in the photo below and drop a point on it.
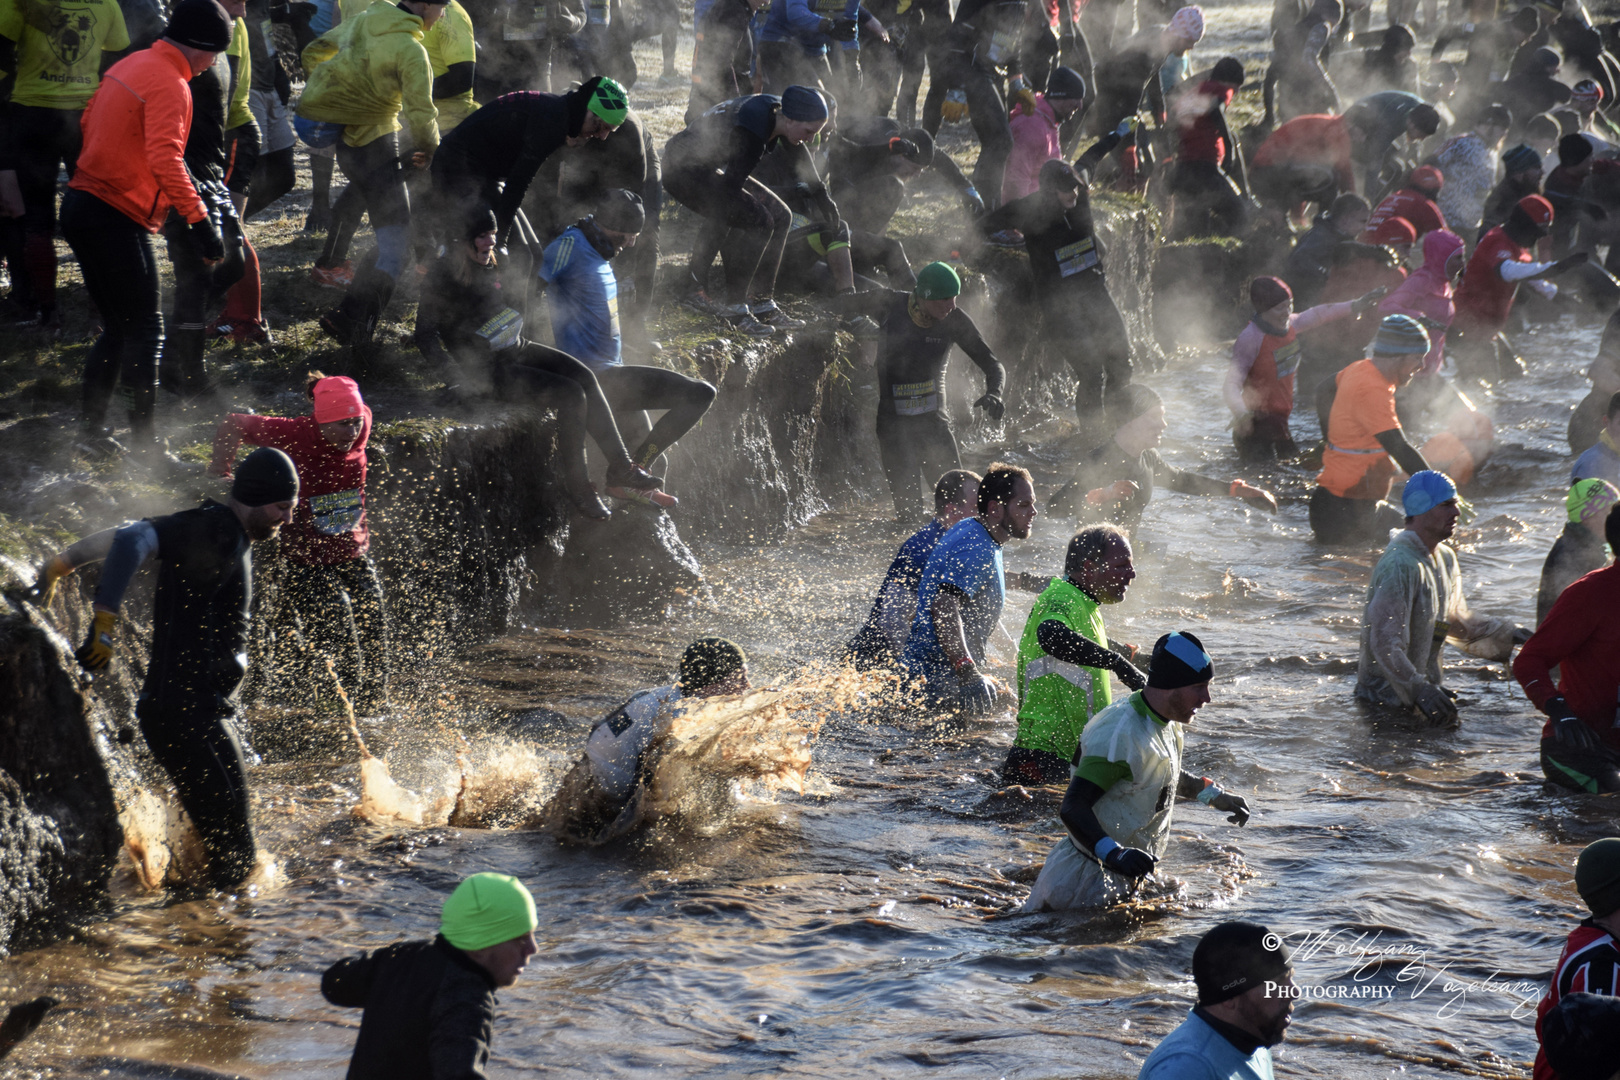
(915, 349)
(200, 609)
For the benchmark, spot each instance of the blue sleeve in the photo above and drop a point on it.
(963, 567)
(132, 546)
(557, 258)
(804, 20)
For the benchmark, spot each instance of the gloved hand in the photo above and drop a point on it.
(843, 30)
(97, 651)
(974, 202)
(206, 241)
(975, 693)
(1126, 126)
(1435, 704)
(899, 147)
(44, 590)
(992, 406)
(1365, 302)
(1233, 805)
(1568, 263)
(1129, 674)
(1024, 95)
(1568, 729)
(954, 109)
(1127, 861)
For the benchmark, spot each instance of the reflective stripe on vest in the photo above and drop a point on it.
(1073, 674)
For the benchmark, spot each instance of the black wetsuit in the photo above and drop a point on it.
(1079, 319)
(429, 1011)
(913, 426)
(722, 56)
(817, 229)
(199, 637)
(986, 35)
(1124, 76)
(1108, 463)
(861, 166)
(1575, 554)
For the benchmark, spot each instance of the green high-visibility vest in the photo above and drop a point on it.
(1056, 698)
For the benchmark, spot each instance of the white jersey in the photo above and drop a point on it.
(618, 740)
(1137, 812)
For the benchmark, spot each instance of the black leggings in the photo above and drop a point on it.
(533, 371)
(120, 271)
(1580, 770)
(1084, 326)
(195, 745)
(43, 141)
(631, 388)
(1337, 520)
(916, 448)
(987, 112)
(198, 286)
(1207, 202)
(340, 608)
(747, 228)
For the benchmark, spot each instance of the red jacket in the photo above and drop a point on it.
(135, 131)
(1411, 204)
(1310, 140)
(1581, 637)
(1589, 964)
(1484, 299)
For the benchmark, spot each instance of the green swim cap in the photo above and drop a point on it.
(1590, 498)
(938, 281)
(487, 909)
(609, 101)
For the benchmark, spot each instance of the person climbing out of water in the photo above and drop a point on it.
(583, 292)
(1126, 781)
(1114, 482)
(1245, 980)
(1580, 744)
(960, 595)
(882, 638)
(1079, 319)
(1265, 358)
(1580, 548)
(1065, 656)
(602, 797)
(1209, 182)
(1601, 460)
(707, 169)
(430, 1005)
(873, 160)
(1415, 604)
(1357, 410)
(913, 424)
(1035, 125)
(328, 573)
(465, 320)
(200, 612)
(1590, 961)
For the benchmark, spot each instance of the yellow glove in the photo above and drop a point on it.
(954, 109)
(44, 590)
(1027, 96)
(97, 651)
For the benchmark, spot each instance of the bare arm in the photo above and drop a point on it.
(948, 628)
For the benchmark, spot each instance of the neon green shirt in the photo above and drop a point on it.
(59, 47)
(1055, 698)
(450, 41)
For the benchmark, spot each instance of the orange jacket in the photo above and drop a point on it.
(135, 130)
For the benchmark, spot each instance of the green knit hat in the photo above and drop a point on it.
(1590, 498)
(609, 101)
(1597, 876)
(938, 281)
(487, 909)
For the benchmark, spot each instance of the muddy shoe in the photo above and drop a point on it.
(333, 277)
(703, 303)
(658, 500)
(633, 477)
(753, 327)
(589, 504)
(767, 312)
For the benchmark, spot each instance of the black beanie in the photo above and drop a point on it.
(480, 220)
(622, 211)
(1228, 69)
(1065, 82)
(1236, 957)
(1056, 173)
(708, 661)
(265, 476)
(201, 24)
(1573, 149)
(1129, 402)
(1581, 1036)
(1179, 660)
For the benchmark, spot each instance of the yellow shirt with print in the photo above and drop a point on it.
(59, 47)
(450, 41)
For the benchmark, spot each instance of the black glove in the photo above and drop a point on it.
(899, 147)
(1234, 805)
(843, 30)
(1567, 263)
(992, 406)
(1129, 674)
(1129, 862)
(205, 240)
(1568, 729)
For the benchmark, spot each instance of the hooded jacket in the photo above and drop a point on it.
(367, 70)
(1035, 142)
(1427, 295)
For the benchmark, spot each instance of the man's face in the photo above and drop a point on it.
(1438, 521)
(1491, 135)
(506, 961)
(1264, 1016)
(1108, 578)
(1020, 513)
(797, 131)
(1182, 703)
(1278, 314)
(264, 521)
(1612, 426)
(594, 127)
(620, 240)
(483, 247)
(906, 169)
(200, 61)
(1353, 223)
(1067, 196)
(937, 309)
(343, 433)
(966, 504)
(1064, 107)
(1409, 366)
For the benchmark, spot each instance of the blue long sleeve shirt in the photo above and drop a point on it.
(800, 21)
(1196, 1051)
(584, 297)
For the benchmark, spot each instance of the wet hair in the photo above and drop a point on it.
(1092, 544)
(1426, 118)
(1128, 402)
(1396, 38)
(1348, 203)
(1611, 526)
(707, 661)
(999, 482)
(949, 487)
(313, 377)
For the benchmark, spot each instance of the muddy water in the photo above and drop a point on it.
(858, 930)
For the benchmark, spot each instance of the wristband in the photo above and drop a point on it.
(966, 661)
(1211, 792)
(1104, 846)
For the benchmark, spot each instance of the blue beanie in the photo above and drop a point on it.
(1400, 335)
(1425, 491)
(1520, 158)
(803, 104)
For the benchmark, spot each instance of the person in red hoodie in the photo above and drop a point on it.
(130, 173)
(326, 548)
(1590, 962)
(1414, 202)
(1580, 744)
(1209, 184)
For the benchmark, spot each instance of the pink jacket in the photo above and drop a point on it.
(1427, 294)
(1035, 142)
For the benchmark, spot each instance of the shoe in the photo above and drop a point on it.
(338, 325)
(46, 320)
(98, 444)
(766, 311)
(658, 500)
(340, 276)
(753, 327)
(633, 477)
(700, 301)
(588, 503)
(246, 333)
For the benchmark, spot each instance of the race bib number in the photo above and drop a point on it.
(597, 12)
(1442, 630)
(504, 330)
(915, 399)
(799, 222)
(1077, 257)
(337, 512)
(1287, 359)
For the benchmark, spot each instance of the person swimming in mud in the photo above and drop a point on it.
(603, 796)
(1126, 780)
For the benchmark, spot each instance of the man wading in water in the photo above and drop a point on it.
(1119, 803)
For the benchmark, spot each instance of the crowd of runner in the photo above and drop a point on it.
(496, 154)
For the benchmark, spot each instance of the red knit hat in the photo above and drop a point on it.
(1392, 230)
(337, 398)
(1428, 178)
(1539, 210)
(1266, 293)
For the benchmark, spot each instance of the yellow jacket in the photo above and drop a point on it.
(364, 72)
